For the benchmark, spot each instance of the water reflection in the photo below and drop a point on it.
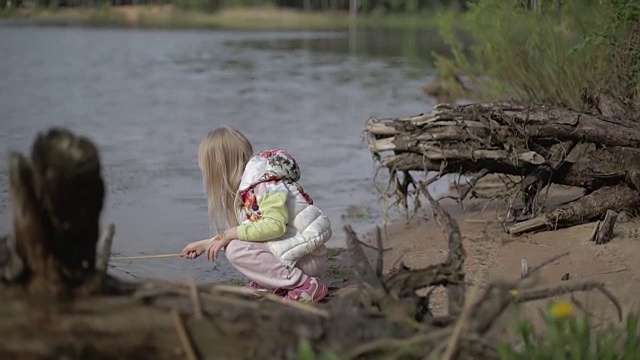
(415, 45)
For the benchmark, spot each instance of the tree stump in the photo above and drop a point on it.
(603, 231)
(56, 199)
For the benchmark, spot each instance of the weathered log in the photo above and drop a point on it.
(56, 200)
(542, 144)
(504, 120)
(588, 208)
(603, 231)
(592, 168)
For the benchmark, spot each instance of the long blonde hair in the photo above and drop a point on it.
(222, 156)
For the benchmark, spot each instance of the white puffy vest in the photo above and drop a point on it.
(308, 228)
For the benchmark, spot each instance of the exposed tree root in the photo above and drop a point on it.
(542, 145)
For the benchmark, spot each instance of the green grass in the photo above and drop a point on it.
(547, 55)
(568, 337)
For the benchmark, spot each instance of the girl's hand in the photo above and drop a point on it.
(220, 242)
(195, 249)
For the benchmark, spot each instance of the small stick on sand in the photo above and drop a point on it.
(452, 346)
(184, 336)
(195, 299)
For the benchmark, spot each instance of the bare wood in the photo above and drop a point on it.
(380, 253)
(56, 198)
(604, 230)
(545, 144)
(592, 169)
(104, 248)
(589, 207)
(195, 300)
(524, 268)
(433, 152)
(306, 308)
(561, 290)
(369, 284)
(376, 128)
(594, 232)
(541, 121)
(472, 183)
(461, 323)
(545, 263)
(184, 336)
(29, 230)
(159, 256)
(455, 259)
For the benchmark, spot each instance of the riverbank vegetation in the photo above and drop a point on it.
(545, 51)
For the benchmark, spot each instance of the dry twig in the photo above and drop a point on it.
(184, 336)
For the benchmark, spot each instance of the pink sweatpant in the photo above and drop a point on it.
(255, 261)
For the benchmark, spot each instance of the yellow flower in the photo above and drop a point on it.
(561, 309)
(515, 292)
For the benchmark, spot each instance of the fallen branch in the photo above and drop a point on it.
(587, 208)
(561, 290)
(541, 144)
(184, 337)
(603, 231)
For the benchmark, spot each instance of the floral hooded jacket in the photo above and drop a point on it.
(275, 209)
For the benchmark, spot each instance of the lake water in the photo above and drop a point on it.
(147, 97)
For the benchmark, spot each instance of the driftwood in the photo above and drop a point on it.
(57, 302)
(541, 144)
(603, 231)
(56, 198)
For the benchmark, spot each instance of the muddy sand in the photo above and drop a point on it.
(494, 254)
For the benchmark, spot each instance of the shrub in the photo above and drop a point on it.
(568, 336)
(547, 54)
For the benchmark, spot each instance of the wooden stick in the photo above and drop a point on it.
(183, 335)
(604, 232)
(104, 248)
(465, 315)
(304, 307)
(195, 299)
(146, 257)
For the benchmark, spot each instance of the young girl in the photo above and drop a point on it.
(275, 235)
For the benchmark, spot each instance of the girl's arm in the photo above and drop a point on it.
(272, 224)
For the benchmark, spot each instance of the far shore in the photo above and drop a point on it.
(168, 17)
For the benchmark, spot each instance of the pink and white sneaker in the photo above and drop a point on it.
(312, 290)
(259, 288)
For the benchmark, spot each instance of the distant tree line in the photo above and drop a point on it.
(368, 6)
(365, 6)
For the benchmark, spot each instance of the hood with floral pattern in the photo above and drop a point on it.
(269, 165)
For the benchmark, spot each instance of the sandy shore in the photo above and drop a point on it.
(493, 254)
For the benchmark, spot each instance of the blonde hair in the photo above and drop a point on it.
(222, 156)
